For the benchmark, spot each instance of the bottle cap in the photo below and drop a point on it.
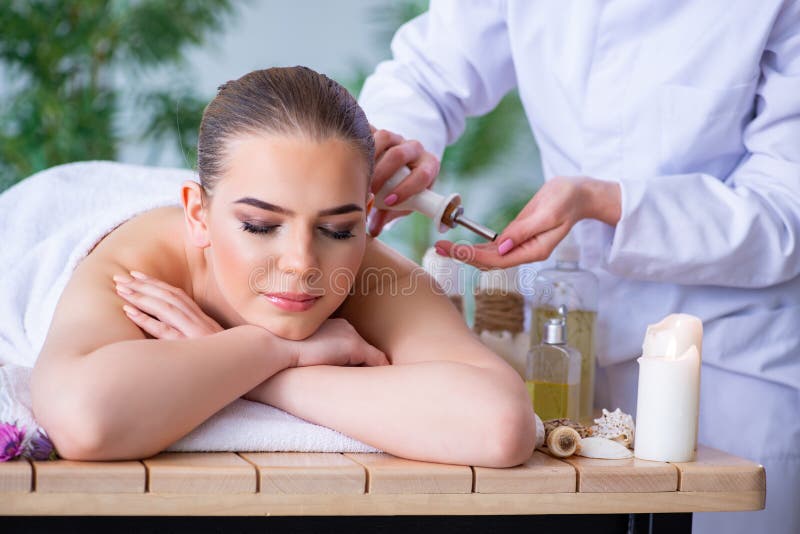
(555, 329)
(555, 332)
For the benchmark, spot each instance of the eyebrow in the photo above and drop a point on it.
(338, 210)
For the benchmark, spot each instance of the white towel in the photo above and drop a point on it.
(48, 223)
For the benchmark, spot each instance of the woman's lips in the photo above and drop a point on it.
(291, 301)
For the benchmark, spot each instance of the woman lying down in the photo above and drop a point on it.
(264, 284)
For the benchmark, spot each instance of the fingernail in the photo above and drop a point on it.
(505, 246)
(391, 199)
(130, 310)
(125, 290)
(138, 275)
(122, 278)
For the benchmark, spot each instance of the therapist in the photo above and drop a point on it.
(669, 135)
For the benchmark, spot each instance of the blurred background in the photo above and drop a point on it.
(127, 80)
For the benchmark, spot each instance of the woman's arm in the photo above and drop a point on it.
(445, 398)
(437, 411)
(107, 393)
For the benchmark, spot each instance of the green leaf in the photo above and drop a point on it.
(62, 55)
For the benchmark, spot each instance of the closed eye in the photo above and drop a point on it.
(256, 229)
(259, 229)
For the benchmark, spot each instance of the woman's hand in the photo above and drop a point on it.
(167, 312)
(162, 310)
(391, 153)
(543, 223)
(336, 342)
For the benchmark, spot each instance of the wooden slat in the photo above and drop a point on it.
(714, 470)
(224, 484)
(541, 473)
(304, 472)
(89, 477)
(389, 474)
(261, 504)
(16, 476)
(200, 472)
(631, 475)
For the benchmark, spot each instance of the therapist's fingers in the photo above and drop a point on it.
(381, 219)
(485, 255)
(383, 140)
(424, 171)
(559, 203)
(395, 157)
(525, 226)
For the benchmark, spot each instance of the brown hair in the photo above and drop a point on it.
(282, 100)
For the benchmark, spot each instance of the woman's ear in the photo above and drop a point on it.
(370, 202)
(195, 210)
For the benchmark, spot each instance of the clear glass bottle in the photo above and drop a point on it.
(553, 372)
(569, 285)
(500, 316)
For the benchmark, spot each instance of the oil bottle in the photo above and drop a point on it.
(569, 285)
(553, 372)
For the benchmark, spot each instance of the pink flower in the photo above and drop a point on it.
(10, 441)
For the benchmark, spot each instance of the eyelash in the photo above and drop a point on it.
(255, 229)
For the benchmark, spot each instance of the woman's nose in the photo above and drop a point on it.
(298, 255)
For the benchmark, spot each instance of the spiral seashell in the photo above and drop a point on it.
(617, 426)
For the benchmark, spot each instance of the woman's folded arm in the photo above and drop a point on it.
(102, 391)
(438, 411)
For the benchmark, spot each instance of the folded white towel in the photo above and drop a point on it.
(48, 223)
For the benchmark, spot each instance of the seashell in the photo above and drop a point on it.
(595, 447)
(552, 424)
(616, 425)
(562, 441)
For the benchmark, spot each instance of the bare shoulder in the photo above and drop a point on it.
(380, 256)
(89, 312)
(396, 306)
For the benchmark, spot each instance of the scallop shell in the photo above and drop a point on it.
(594, 447)
(616, 425)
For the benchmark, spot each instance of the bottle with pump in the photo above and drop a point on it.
(553, 372)
(569, 285)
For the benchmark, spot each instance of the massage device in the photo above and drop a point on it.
(447, 211)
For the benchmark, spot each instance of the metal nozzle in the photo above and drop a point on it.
(481, 230)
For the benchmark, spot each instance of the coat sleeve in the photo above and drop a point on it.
(452, 62)
(741, 230)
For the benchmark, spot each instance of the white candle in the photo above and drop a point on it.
(668, 401)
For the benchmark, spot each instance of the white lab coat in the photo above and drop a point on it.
(693, 107)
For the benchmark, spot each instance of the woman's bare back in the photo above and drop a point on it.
(89, 312)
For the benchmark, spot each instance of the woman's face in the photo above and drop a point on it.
(287, 230)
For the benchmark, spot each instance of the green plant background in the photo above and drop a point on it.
(63, 97)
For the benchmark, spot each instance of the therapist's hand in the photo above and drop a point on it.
(543, 222)
(392, 152)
